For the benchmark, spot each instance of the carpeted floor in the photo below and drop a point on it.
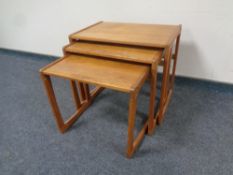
(195, 138)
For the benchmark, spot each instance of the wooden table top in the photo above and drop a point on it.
(116, 75)
(150, 35)
(116, 51)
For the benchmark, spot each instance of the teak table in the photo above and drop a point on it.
(150, 36)
(133, 54)
(121, 76)
(119, 56)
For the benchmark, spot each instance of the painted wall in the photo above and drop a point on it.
(206, 45)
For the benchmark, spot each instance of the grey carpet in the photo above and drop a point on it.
(195, 138)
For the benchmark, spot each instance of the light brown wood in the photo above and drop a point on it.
(67, 68)
(131, 123)
(86, 91)
(81, 85)
(134, 142)
(153, 83)
(126, 45)
(53, 102)
(150, 35)
(116, 51)
(82, 91)
(165, 83)
(167, 87)
(120, 76)
(75, 94)
(175, 56)
(71, 40)
(63, 126)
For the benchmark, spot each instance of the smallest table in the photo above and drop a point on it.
(116, 75)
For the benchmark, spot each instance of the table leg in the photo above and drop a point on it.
(168, 80)
(153, 82)
(131, 123)
(63, 126)
(53, 102)
(75, 94)
(87, 91)
(82, 91)
(175, 61)
(165, 84)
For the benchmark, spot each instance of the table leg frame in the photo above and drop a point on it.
(153, 90)
(133, 142)
(75, 94)
(63, 126)
(167, 81)
(81, 106)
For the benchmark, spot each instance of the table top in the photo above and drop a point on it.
(116, 51)
(116, 75)
(149, 35)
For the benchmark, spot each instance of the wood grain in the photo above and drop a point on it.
(150, 35)
(116, 51)
(120, 76)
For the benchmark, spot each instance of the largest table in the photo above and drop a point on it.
(153, 36)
